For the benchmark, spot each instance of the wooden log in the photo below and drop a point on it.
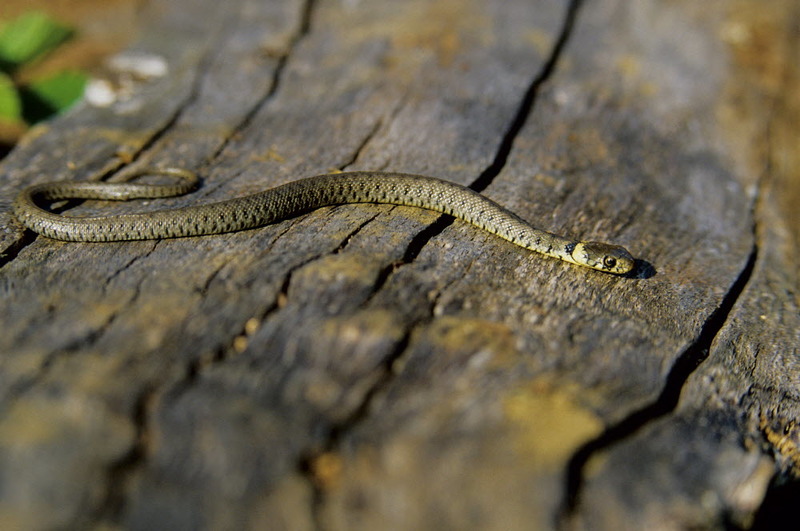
(367, 366)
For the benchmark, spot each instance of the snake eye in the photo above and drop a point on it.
(609, 262)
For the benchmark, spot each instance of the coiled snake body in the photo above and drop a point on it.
(289, 200)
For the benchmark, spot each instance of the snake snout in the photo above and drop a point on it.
(607, 257)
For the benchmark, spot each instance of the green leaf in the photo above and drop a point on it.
(45, 97)
(29, 36)
(10, 104)
(60, 90)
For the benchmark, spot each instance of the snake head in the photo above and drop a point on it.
(604, 257)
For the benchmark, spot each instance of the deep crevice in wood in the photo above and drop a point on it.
(26, 238)
(528, 101)
(415, 247)
(303, 30)
(684, 366)
(73, 347)
(346, 241)
(779, 505)
(339, 431)
(118, 474)
(360, 148)
(196, 367)
(504, 149)
(383, 121)
(129, 264)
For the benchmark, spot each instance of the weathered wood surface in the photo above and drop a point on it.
(369, 367)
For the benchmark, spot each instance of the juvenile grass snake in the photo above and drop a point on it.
(289, 200)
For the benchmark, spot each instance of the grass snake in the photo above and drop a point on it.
(289, 200)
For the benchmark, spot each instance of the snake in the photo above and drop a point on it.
(290, 200)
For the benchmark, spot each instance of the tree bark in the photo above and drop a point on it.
(379, 367)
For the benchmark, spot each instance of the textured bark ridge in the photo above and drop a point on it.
(378, 367)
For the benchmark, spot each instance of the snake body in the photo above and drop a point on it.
(289, 200)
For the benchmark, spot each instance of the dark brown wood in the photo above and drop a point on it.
(369, 367)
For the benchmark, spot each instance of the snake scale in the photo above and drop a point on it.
(289, 200)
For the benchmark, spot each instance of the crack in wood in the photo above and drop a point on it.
(346, 240)
(360, 148)
(691, 358)
(382, 122)
(779, 505)
(11, 252)
(685, 364)
(390, 370)
(203, 290)
(775, 508)
(20, 388)
(488, 175)
(339, 431)
(303, 29)
(200, 364)
(436, 299)
(128, 265)
(120, 472)
(528, 101)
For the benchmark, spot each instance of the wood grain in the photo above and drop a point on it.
(367, 366)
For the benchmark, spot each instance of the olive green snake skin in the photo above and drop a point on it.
(289, 200)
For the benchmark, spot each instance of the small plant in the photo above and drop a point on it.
(23, 41)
